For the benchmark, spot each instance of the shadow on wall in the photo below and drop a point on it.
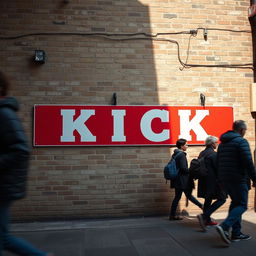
(84, 65)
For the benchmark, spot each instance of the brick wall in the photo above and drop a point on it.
(119, 181)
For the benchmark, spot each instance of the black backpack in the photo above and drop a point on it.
(198, 168)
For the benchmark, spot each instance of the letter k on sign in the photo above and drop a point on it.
(186, 126)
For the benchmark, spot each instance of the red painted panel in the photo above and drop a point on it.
(131, 125)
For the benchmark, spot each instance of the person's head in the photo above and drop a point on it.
(211, 141)
(4, 84)
(181, 144)
(240, 127)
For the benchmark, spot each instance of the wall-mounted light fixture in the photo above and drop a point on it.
(202, 99)
(205, 34)
(114, 99)
(39, 56)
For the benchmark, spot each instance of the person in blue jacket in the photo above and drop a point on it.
(14, 163)
(235, 170)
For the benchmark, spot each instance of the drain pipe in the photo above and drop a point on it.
(252, 20)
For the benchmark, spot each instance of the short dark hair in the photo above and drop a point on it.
(4, 84)
(238, 125)
(180, 143)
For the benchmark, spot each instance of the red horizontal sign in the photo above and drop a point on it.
(78, 125)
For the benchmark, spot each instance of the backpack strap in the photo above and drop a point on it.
(174, 157)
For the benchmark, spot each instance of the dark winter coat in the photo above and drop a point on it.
(209, 186)
(235, 164)
(183, 181)
(14, 152)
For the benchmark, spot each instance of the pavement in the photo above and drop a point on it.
(141, 236)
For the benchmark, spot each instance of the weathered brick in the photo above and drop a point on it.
(119, 181)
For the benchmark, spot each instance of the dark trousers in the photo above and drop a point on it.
(210, 208)
(239, 200)
(11, 243)
(178, 194)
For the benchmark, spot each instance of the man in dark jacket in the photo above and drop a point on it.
(208, 186)
(183, 183)
(14, 160)
(235, 169)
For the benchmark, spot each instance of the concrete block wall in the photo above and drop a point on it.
(93, 182)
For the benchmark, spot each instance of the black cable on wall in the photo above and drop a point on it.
(152, 37)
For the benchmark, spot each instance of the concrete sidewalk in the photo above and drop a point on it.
(150, 236)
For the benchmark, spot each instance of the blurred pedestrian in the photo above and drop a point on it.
(14, 161)
(183, 182)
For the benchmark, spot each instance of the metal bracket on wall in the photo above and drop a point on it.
(114, 99)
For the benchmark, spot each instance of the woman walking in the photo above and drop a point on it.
(183, 183)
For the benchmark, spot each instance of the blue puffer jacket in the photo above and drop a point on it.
(14, 152)
(234, 156)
